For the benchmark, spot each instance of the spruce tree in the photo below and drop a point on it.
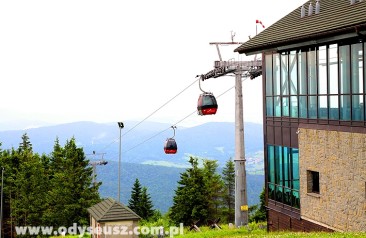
(190, 202)
(136, 193)
(228, 176)
(213, 188)
(71, 188)
(145, 205)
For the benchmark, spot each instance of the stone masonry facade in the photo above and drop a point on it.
(339, 158)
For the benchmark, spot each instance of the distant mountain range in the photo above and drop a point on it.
(142, 143)
(143, 156)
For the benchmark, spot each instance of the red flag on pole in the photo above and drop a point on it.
(259, 22)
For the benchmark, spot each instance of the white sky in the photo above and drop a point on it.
(106, 61)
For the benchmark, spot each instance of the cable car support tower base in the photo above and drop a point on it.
(241, 69)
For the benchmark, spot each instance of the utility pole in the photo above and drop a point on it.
(120, 125)
(241, 69)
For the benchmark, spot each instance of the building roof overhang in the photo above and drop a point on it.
(336, 20)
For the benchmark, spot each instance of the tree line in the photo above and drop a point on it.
(46, 190)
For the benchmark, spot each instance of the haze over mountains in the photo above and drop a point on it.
(143, 156)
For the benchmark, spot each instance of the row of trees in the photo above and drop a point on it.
(46, 190)
(204, 195)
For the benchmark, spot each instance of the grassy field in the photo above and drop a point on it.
(254, 231)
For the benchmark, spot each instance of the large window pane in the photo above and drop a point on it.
(284, 74)
(269, 106)
(357, 108)
(322, 66)
(356, 68)
(286, 167)
(313, 107)
(271, 163)
(333, 108)
(293, 73)
(294, 107)
(302, 73)
(278, 162)
(323, 107)
(345, 109)
(303, 107)
(271, 191)
(312, 78)
(285, 107)
(276, 75)
(269, 85)
(295, 169)
(344, 57)
(279, 193)
(333, 69)
(277, 106)
(296, 199)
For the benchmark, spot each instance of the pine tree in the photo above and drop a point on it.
(213, 188)
(25, 145)
(71, 189)
(260, 214)
(145, 205)
(229, 197)
(136, 193)
(190, 202)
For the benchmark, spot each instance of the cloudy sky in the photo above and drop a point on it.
(106, 61)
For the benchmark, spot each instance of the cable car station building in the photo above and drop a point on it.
(314, 92)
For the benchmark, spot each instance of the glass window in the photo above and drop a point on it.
(295, 169)
(293, 73)
(269, 75)
(312, 78)
(357, 108)
(284, 74)
(278, 162)
(345, 108)
(286, 167)
(285, 107)
(271, 191)
(271, 164)
(294, 107)
(323, 107)
(333, 108)
(302, 73)
(277, 106)
(344, 60)
(322, 67)
(333, 69)
(279, 193)
(276, 75)
(283, 175)
(303, 107)
(269, 106)
(356, 68)
(313, 107)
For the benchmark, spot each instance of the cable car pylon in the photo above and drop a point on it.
(170, 146)
(241, 69)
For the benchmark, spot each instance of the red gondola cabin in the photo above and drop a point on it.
(207, 104)
(170, 146)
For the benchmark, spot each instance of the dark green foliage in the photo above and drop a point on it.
(228, 176)
(146, 207)
(42, 190)
(259, 214)
(134, 202)
(140, 201)
(198, 196)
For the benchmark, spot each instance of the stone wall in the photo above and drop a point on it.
(340, 159)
